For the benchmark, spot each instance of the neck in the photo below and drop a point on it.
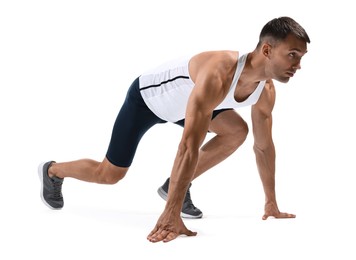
(254, 69)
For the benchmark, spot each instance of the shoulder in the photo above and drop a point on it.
(269, 90)
(211, 73)
(269, 84)
(213, 63)
(267, 99)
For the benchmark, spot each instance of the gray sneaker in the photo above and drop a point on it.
(188, 209)
(51, 188)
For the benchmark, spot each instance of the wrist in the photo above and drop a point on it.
(271, 200)
(173, 208)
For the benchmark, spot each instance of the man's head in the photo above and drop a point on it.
(283, 42)
(278, 29)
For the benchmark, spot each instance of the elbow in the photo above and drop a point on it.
(259, 148)
(187, 151)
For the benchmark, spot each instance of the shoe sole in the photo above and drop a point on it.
(183, 215)
(40, 175)
(164, 196)
(162, 193)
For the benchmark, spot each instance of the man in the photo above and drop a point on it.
(199, 93)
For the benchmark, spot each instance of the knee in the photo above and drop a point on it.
(112, 179)
(111, 176)
(240, 134)
(244, 130)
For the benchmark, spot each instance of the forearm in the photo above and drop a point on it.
(182, 174)
(265, 159)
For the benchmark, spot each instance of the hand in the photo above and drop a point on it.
(271, 210)
(169, 227)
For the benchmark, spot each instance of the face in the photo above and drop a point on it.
(284, 58)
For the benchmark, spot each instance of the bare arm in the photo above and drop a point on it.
(264, 149)
(208, 92)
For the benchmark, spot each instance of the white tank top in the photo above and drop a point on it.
(166, 89)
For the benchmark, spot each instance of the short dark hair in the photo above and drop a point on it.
(279, 28)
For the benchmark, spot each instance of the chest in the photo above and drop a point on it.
(244, 90)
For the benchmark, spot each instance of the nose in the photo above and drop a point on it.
(297, 66)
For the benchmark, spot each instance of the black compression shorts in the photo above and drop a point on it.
(132, 122)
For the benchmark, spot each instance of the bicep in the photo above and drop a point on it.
(205, 97)
(262, 117)
(262, 130)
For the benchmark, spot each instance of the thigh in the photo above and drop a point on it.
(132, 122)
(228, 122)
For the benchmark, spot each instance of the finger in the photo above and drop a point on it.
(170, 236)
(264, 217)
(152, 232)
(166, 236)
(190, 233)
(286, 215)
(160, 235)
(173, 235)
(153, 235)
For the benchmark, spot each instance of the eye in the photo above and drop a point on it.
(292, 54)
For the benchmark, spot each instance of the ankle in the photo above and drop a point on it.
(50, 171)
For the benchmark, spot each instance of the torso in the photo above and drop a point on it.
(166, 89)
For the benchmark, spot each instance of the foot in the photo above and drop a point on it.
(51, 187)
(188, 209)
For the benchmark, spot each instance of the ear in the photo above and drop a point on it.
(266, 50)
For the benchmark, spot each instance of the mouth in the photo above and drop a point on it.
(290, 73)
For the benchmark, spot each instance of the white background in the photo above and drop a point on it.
(65, 67)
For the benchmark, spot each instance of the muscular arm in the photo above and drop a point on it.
(208, 92)
(264, 149)
(196, 126)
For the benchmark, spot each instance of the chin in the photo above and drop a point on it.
(283, 79)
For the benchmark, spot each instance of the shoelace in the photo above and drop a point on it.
(57, 189)
(188, 201)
